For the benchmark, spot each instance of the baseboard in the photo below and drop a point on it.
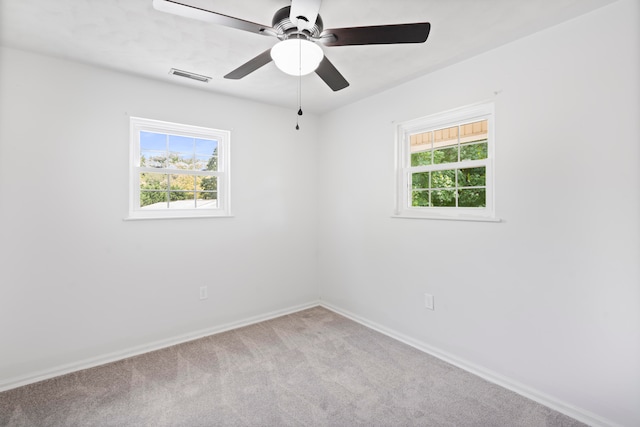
(20, 381)
(522, 389)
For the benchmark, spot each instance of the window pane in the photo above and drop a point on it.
(443, 179)
(200, 163)
(153, 159)
(181, 161)
(420, 198)
(153, 190)
(421, 159)
(443, 198)
(473, 151)
(447, 155)
(153, 199)
(207, 183)
(476, 131)
(421, 142)
(472, 177)
(206, 147)
(180, 152)
(207, 199)
(206, 163)
(472, 198)
(206, 155)
(183, 182)
(420, 180)
(182, 200)
(154, 181)
(153, 141)
(445, 137)
(181, 144)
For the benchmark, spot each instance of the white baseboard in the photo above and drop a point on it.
(522, 389)
(20, 381)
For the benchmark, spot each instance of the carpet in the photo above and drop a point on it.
(310, 368)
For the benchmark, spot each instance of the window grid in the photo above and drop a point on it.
(432, 149)
(445, 165)
(178, 170)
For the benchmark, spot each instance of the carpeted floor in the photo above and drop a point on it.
(311, 368)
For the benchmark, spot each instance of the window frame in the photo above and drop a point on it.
(403, 168)
(223, 137)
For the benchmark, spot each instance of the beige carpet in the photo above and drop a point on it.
(311, 368)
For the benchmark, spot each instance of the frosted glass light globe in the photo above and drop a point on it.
(297, 57)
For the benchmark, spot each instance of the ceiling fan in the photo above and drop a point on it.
(299, 29)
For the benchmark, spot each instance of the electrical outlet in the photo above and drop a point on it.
(428, 301)
(204, 294)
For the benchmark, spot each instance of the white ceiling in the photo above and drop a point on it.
(131, 36)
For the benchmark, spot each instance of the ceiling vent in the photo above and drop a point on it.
(190, 75)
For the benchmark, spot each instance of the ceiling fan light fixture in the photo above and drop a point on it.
(297, 57)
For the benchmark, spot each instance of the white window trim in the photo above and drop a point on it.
(403, 168)
(223, 137)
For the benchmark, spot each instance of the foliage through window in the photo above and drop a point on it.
(178, 170)
(445, 165)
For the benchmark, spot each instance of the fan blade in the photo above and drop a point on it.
(380, 34)
(307, 9)
(249, 67)
(181, 9)
(331, 75)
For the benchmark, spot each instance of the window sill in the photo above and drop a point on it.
(449, 218)
(144, 218)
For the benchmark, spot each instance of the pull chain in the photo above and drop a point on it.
(299, 101)
(299, 83)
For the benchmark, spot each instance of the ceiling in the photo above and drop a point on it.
(131, 36)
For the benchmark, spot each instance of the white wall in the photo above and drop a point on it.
(79, 282)
(550, 297)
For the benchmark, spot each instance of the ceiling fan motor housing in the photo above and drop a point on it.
(285, 28)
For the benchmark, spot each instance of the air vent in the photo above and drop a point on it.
(190, 75)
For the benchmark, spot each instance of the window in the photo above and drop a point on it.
(178, 170)
(445, 165)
